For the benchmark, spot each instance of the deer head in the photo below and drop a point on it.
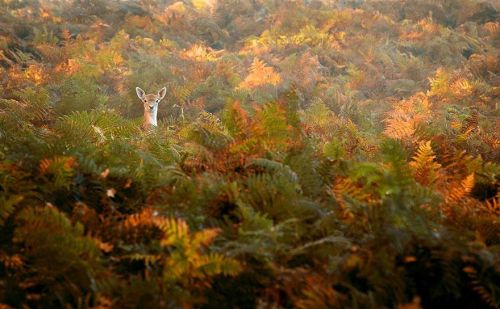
(150, 102)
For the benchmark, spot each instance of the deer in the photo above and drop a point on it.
(150, 102)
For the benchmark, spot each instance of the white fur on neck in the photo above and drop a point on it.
(150, 117)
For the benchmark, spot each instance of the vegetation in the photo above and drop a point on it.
(309, 154)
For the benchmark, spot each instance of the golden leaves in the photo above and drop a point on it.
(492, 206)
(459, 190)
(260, 74)
(424, 29)
(173, 229)
(461, 88)
(143, 218)
(469, 126)
(187, 258)
(493, 28)
(425, 169)
(45, 13)
(440, 82)
(269, 129)
(344, 189)
(200, 53)
(406, 116)
(205, 5)
(350, 188)
(450, 86)
(429, 26)
(69, 67)
(103, 246)
(399, 125)
(35, 73)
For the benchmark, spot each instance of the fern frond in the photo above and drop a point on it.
(484, 291)
(344, 189)
(204, 237)
(458, 191)
(145, 217)
(175, 231)
(236, 120)
(214, 264)
(318, 295)
(424, 166)
(59, 253)
(147, 259)
(182, 93)
(492, 206)
(345, 186)
(8, 206)
(406, 116)
(260, 74)
(60, 169)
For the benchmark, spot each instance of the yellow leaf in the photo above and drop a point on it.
(260, 74)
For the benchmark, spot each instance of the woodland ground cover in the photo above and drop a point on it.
(309, 154)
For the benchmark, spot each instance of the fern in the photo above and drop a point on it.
(260, 74)
(318, 296)
(402, 122)
(347, 194)
(269, 181)
(236, 120)
(209, 132)
(306, 168)
(60, 170)
(260, 237)
(457, 192)
(425, 169)
(80, 94)
(8, 206)
(274, 167)
(187, 260)
(60, 254)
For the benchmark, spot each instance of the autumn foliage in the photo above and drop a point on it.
(309, 154)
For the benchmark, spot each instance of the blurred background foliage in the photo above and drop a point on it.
(309, 154)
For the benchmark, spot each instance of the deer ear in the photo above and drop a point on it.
(162, 92)
(140, 93)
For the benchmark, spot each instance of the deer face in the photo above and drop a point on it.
(150, 101)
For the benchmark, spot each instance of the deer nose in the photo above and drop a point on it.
(151, 108)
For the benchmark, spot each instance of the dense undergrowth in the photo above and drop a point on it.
(325, 154)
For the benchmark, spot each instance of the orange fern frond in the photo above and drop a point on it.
(425, 169)
(459, 191)
(260, 74)
(345, 187)
(492, 206)
(402, 122)
(478, 287)
(399, 126)
(62, 163)
(143, 218)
